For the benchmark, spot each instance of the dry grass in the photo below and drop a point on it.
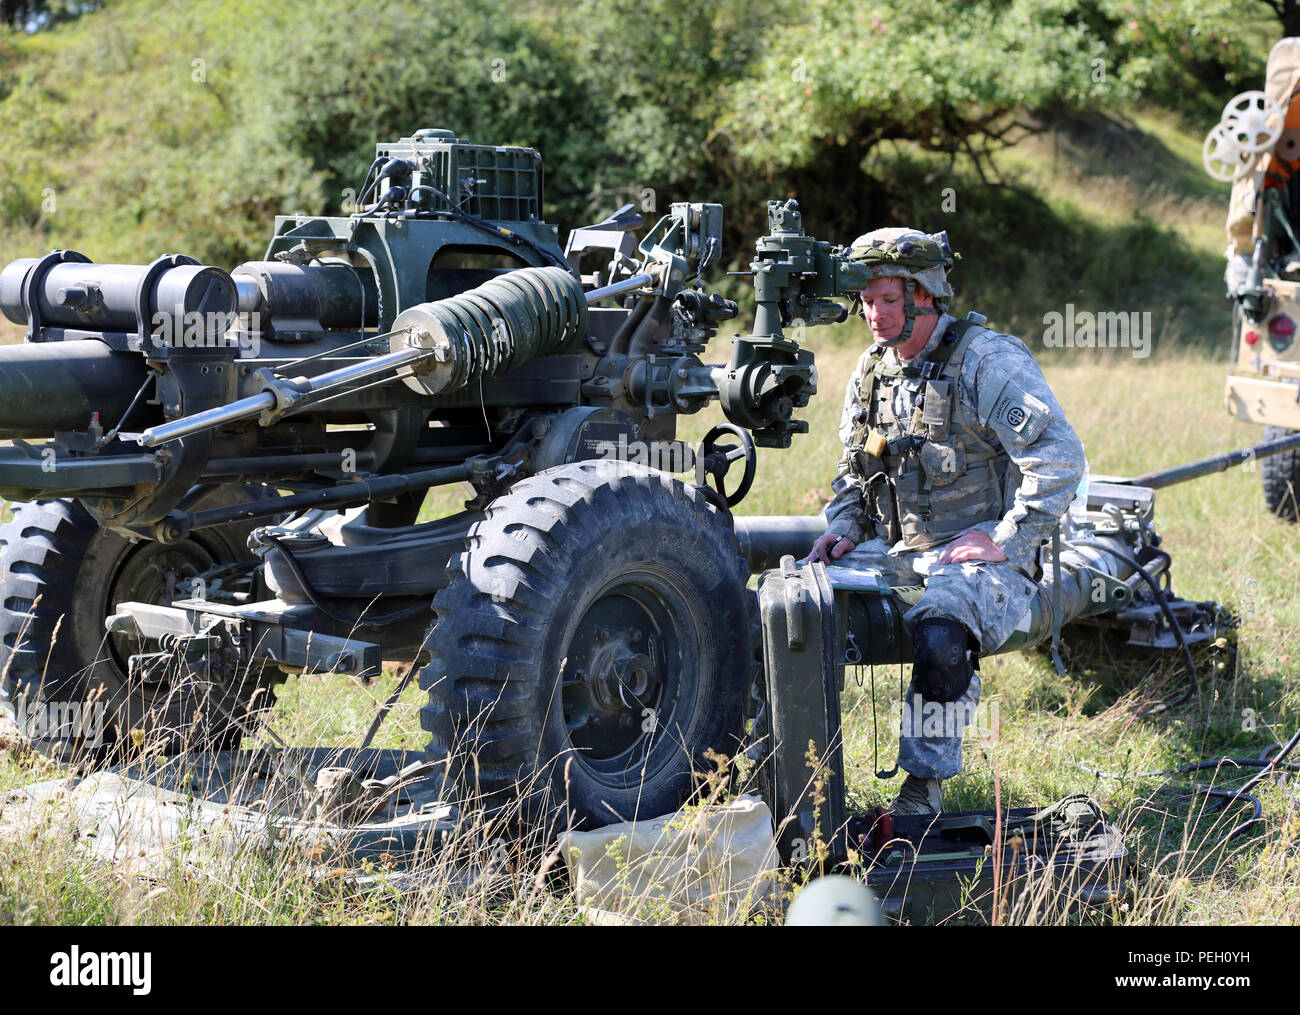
(67, 860)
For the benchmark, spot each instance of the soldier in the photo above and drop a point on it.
(958, 464)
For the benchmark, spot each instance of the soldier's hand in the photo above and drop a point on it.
(829, 547)
(973, 545)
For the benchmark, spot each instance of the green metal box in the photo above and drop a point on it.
(500, 183)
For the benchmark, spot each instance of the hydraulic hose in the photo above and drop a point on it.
(1163, 603)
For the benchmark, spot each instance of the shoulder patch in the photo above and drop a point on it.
(1017, 414)
(988, 399)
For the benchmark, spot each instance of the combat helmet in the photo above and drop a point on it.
(916, 258)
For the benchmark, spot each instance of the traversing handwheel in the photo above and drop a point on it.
(718, 457)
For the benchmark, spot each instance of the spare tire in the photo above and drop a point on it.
(1280, 477)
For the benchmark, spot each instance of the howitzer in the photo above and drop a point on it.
(164, 416)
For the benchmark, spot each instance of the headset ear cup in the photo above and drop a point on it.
(944, 659)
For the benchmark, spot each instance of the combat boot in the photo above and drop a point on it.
(919, 796)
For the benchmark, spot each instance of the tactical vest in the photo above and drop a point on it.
(929, 478)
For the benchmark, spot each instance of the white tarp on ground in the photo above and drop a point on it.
(147, 816)
(706, 864)
(713, 864)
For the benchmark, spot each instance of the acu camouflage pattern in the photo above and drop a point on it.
(988, 599)
(1002, 399)
(925, 473)
(907, 253)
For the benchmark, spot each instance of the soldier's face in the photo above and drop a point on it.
(883, 307)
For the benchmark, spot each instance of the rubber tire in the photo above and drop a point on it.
(59, 573)
(1280, 477)
(503, 630)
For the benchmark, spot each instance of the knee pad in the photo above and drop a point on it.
(944, 659)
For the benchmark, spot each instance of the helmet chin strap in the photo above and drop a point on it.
(910, 313)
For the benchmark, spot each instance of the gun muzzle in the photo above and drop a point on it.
(127, 298)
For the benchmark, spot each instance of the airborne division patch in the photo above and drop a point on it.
(1010, 413)
(1017, 411)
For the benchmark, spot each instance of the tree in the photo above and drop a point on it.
(1288, 12)
(31, 15)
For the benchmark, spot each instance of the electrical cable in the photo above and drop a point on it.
(1195, 766)
(1275, 763)
(108, 437)
(1163, 603)
(367, 183)
(478, 223)
(1230, 797)
(1269, 766)
(390, 196)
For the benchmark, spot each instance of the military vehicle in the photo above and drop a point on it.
(1257, 146)
(219, 477)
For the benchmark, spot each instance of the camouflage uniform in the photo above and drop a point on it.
(1005, 422)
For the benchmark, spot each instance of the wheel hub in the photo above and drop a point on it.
(618, 676)
(621, 677)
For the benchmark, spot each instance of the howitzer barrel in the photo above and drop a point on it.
(1215, 463)
(48, 386)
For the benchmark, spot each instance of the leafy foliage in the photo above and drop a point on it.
(952, 76)
(150, 126)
